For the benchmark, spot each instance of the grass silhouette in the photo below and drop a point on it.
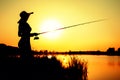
(43, 69)
(38, 68)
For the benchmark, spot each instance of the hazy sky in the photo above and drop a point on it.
(95, 36)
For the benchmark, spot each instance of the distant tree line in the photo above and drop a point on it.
(111, 51)
(6, 50)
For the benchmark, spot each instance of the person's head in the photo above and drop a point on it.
(24, 15)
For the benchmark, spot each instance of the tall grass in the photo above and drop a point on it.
(77, 69)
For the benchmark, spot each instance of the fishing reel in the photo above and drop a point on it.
(36, 38)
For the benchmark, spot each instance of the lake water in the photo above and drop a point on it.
(100, 67)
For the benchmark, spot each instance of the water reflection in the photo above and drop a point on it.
(114, 60)
(119, 61)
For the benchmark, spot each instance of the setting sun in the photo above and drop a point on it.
(50, 26)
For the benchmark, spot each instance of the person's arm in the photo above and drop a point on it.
(33, 34)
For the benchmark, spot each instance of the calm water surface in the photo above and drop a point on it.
(99, 67)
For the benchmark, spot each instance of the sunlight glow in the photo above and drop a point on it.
(51, 25)
(52, 14)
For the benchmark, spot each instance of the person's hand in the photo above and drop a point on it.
(35, 34)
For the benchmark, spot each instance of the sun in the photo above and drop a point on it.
(50, 26)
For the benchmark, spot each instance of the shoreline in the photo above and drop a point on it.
(10, 50)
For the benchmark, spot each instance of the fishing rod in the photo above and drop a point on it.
(36, 37)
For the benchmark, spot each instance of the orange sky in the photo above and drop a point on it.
(95, 36)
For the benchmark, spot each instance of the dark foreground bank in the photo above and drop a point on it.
(41, 69)
(13, 67)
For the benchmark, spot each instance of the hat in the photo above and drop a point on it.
(24, 14)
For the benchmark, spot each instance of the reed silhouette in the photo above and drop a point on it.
(43, 68)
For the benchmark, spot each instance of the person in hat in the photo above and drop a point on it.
(24, 30)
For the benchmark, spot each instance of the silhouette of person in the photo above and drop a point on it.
(24, 32)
